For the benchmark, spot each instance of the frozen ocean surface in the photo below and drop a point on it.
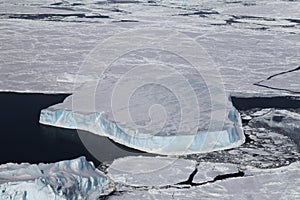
(43, 43)
(252, 183)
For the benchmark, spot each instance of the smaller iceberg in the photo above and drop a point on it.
(71, 179)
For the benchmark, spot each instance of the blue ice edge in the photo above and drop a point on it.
(165, 145)
(69, 179)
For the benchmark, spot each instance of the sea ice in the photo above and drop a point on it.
(71, 179)
(280, 183)
(248, 41)
(150, 171)
(141, 171)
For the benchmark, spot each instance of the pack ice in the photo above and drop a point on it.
(72, 179)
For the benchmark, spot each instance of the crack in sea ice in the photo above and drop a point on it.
(261, 83)
(208, 173)
(190, 180)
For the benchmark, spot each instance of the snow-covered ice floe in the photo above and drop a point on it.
(254, 183)
(150, 171)
(71, 179)
(141, 171)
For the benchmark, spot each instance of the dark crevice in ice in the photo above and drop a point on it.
(150, 1)
(117, 2)
(233, 2)
(203, 12)
(221, 177)
(67, 4)
(261, 28)
(59, 8)
(294, 20)
(56, 4)
(119, 11)
(217, 178)
(126, 20)
(189, 181)
(252, 17)
(285, 72)
(234, 20)
(182, 185)
(260, 83)
(77, 4)
(227, 176)
(52, 16)
(249, 4)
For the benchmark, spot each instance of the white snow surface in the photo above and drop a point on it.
(70, 179)
(248, 40)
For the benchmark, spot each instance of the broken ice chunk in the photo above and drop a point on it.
(150, 171)
(70, 179)
(288, 122)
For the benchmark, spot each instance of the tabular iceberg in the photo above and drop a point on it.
(71, 179)
(97, 123)
(152, 107)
